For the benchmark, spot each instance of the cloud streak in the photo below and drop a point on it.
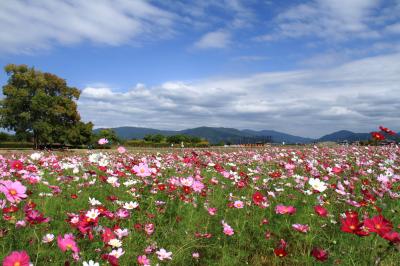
(29, 26)
(357, 95)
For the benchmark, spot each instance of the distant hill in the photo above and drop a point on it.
(345, 135)
(279, 136)
(213, 134)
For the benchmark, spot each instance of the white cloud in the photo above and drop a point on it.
(357, 95)
(214, 39)
(333, 20)
(27, 26)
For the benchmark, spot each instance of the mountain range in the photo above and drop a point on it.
(221, 134)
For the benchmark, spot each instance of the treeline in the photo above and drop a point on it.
(158, 140)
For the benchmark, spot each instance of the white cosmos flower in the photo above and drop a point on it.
(36, 156)
(90, 263)
(317, 184)
(115, 243)
(93, 214)
(94, 201)
(48, 238)
(131, 205)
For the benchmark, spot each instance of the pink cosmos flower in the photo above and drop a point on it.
(212, 211)
(121, 149)
(17, 258)
(164, 255)
(143, 260)
(14, 191)
(301, 227)
(67, 243)
(282, 209)
(228, 230)
(102, 141)
(238, 204)
(197, 186)
(149, 229)
(142, 170)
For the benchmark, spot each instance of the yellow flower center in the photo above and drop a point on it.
(13, 192)
(17, 263)
(69, 246)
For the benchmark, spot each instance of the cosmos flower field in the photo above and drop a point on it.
(269, 206)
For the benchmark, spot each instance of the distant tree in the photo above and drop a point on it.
(148, 137)
(41, 106)
(158, 138)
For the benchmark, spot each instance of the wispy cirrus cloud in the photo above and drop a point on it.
(332, 20)
(214, 39)
(29, 26)
(356, 95)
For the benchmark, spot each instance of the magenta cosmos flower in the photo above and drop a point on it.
(282, 209)
(17, 258)
(67, 243)
(14, 191)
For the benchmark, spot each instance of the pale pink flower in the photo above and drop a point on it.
(121, 149)
(102, 141)
(238, 204)
(164, 255)
(301, 227)
(197, 186)
(142, 170)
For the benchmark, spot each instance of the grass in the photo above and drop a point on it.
(179, 219)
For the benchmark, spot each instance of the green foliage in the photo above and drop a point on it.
(177, 139)
(42, 107)
(156, 138)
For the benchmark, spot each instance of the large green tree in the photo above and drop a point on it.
(42, 106)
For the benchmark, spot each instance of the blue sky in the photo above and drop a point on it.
(303, 67)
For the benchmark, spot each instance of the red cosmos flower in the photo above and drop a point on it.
(275, 174)
(186, 189)
(378, 224)
(280, 251)
(352, 225)
(74, 196)
(386, 130)
(392, 236)
(111, 259)
(10, 209)
(319, 254)
(35, 217)
(377, 136)
(321, 211)
(17, 165)
(161, 187)
(107, 235)
(112, 198)
(258, 198)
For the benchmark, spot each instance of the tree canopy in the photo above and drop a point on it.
(41, 106)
